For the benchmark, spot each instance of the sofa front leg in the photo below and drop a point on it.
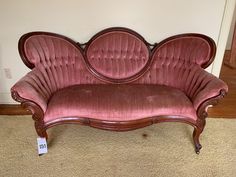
(198, 129)
(40, 130)
(202, 115)
(37, 115)
(196, 134)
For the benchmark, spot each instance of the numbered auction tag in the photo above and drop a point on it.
(42, 146)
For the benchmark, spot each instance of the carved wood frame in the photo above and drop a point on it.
(83, 49)
(38, 114)
(23, 39)
(121, 80)
(198, 125)
(209, 40)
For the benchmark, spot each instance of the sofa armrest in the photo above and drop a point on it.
(34, 88)
(206, 86)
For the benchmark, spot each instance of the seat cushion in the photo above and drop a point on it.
(118, 102)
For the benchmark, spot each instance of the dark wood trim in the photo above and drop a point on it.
(84, 47)
(13, 109)
(36, 111)
(38, 115)
(122, 80)
(25, 37)
(152, 49)
(199, 124)
(209, 40)
(119, 125)
(202, 115)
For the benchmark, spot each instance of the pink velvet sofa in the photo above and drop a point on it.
(117, 80)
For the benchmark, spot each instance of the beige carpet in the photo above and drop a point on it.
(160, 150)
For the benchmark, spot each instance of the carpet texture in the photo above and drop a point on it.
(164, 149)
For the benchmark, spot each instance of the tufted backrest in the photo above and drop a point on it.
(115, 55)
(186, 48)
(59, 59)
(175, 58)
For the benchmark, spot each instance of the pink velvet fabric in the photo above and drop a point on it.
(117, 55)
(58, 61)
(176, 63)
(62, 85)
(189, 49)
(194, 81)
(118, 102)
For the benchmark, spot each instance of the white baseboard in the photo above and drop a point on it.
(5, 98)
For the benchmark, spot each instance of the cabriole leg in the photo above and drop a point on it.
(41, 131)
(196, 135)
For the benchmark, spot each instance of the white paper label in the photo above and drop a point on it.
(42, 146)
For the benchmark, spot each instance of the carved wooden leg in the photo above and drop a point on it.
(37, 116)
(201, 120)
(41, 131)
(196, 134)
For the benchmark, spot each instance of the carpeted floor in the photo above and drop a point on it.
(164, 149)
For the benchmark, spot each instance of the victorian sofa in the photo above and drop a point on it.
(117, 80)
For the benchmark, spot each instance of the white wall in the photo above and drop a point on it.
(80, 19)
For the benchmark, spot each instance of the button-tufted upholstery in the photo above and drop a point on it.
(117, 77)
